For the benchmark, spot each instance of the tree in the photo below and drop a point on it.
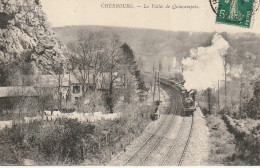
(253, 106)
(84, 54)
(209, 99)
(160, 66)
(225, 80)
(178, 77)
(60, 72)
(102, 67)
(241, 92)
(115, 57)
(128, 66)
(248, 76)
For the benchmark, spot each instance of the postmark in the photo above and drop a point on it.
(235, 12)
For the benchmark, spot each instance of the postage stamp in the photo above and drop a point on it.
(235, 12)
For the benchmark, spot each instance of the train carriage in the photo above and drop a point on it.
(188, 97)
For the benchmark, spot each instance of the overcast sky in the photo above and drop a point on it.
(89, 12)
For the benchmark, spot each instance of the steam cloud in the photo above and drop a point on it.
(204, 67)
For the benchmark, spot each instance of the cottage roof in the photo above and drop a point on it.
(16, 91)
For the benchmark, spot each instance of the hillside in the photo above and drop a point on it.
(159, 43)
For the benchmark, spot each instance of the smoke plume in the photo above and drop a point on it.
(204, 67)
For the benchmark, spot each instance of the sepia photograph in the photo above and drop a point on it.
(129, 83)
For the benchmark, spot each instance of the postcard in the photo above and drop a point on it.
(129, 83)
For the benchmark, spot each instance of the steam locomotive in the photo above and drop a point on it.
(188, 97)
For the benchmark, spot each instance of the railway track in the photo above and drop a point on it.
(154, 138)
(163, 136)
(152, 142)
(176, 140)
(169, 144)
(177, 151)
(158, 154)
(172, 145)
(151, 151)
(187, 143)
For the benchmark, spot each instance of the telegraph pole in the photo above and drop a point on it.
(154, 80)
(59, 85)
(218, 97)
(225, 73)
(154, 85)
(240, 94)
(159, 86)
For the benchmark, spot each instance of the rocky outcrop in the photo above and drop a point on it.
(25, 35)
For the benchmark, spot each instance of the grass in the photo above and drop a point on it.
(230, 146)
(221, 141)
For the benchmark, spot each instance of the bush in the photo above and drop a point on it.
(95, 103)
(22, 106)
(53, 142)
(13, 143)
(68, 141)
(110, 100)
(247, 145)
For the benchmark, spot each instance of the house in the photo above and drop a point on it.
(10, 95)
(70, 85)
(68, 88)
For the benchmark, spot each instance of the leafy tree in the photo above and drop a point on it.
(160, 66)
(128, 66)
(252, 108)
(210, 98)
(134, 68)
(115, 57)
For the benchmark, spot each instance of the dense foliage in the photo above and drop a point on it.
(247, 145)
(67, 141)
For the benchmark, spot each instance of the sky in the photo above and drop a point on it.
(89, 12)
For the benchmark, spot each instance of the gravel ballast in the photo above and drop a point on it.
(198, 149)
(121, 158)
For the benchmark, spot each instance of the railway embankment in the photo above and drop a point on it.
(221, 141)
(198, 149)
(232, 141)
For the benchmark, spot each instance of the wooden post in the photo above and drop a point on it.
(99, 145)
(153, 65)
(225, 74)
(154, 85)
(159, 86)
(240, 94)
(59, 91)
(218, 97)
(69, 95)
(59, 86)
(209, 100)
(124, 76)
(225, 90)
(106, 138)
